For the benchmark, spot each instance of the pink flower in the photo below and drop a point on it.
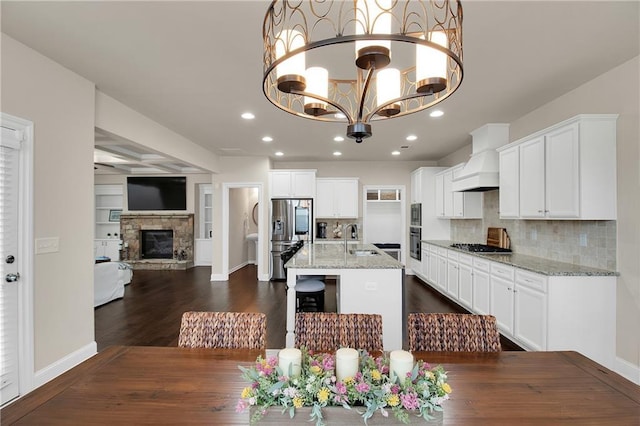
(328, 363)
(362, 387)
(341, 388)
(410, 401)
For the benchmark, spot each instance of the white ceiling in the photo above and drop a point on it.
(194, 67)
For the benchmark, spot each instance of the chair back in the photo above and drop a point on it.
(324, 331)
(453, 332)
(231, 330)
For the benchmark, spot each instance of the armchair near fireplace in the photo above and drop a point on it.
(109, 279)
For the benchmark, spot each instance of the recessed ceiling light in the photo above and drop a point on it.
(395, 153)
(436, 113)
(267, 139)
(279, 154)
(412, 137)
(337, 153)
(338, 139)
(248, 116)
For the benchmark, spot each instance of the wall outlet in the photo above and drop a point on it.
(47, 245)
(534, 235)
(583, 240)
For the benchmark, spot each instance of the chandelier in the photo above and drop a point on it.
(359, 61)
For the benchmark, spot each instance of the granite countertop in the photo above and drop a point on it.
(332, 256)
(531, 263)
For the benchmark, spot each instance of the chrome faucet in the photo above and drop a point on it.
(345, 228)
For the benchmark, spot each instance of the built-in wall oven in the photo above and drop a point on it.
(416, 214)
(415, 235)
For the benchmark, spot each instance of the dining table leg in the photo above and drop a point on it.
(291, 308)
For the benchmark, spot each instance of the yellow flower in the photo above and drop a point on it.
(246, 392)
(446, 388)
(429, 375)
(348, 380)
(393, 400)
(297, 402)
(315, 369)
(375, 375)
(323, 395)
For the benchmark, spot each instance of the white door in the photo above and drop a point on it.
(532, 179)
(562, 173)
(10, 261)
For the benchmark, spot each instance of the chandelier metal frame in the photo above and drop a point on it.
(326, 23)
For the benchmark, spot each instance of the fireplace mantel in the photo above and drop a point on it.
(132, 224)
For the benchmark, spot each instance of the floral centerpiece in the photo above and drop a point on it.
(370, 390)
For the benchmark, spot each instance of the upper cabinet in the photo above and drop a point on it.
(292, 183)
(455, 205)
(416, 186)
(336, 198)
(567, 171)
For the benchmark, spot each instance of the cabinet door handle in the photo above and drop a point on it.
(509, 288)
(540, 211)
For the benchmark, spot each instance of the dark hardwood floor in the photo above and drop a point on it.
(149, 313)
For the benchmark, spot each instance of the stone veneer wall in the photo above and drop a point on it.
(181, 224)
(550, 239)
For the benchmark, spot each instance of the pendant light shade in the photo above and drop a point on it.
(291, 71)
(373, 18)
(431, 65)
(387, 89)
(318, 84)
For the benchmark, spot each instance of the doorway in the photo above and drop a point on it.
(242, 220)
(16, 227)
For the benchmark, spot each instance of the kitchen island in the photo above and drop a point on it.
(368, 282)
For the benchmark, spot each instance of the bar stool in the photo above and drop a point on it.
(310, 294)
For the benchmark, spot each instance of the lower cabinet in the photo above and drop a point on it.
(538, 312)
(107, 247)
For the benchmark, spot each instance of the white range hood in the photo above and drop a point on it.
(481, 172)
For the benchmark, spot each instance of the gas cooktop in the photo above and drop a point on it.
(480, 248)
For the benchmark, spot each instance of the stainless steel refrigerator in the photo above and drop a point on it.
(291, 221)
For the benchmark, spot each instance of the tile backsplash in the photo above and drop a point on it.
(582, 242)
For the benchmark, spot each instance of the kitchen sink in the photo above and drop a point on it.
(363, 252)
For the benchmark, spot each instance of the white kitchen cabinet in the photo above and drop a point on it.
(433, 265)
(416, 186)
(107, 247)
(481, 287)
(510, 183)
(439, 191)
(465, 280)
(567, 171)
(336, 198)
(502, 303)
(455, 205)
(425, 261)
(452, 274)
(530, 307)
(442, 270)
(292, 183)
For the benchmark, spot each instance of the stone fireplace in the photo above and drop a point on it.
(157, 241)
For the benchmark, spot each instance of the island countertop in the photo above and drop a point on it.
(532, 263)
(332, 256)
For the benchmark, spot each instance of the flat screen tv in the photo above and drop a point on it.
(156, 193)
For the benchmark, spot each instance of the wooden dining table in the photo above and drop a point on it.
(168, 385)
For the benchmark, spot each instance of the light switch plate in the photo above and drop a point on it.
(47, 245)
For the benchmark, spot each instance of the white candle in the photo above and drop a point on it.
(290, 357)
(346, 363)
(400, 363)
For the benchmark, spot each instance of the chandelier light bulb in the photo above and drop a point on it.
(290, 73)
(375, 15)
(431, 65)
(318, 84)
(388, 88)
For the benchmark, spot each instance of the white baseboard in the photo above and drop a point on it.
(263, 277)
(628, 370)
(240, 266)
(219, 277)
(55, 369)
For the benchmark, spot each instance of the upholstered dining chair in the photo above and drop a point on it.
(231, 330)
(453, 332)
(324, 331)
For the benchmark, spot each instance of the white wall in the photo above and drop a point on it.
(61, 106)
(616, 92)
